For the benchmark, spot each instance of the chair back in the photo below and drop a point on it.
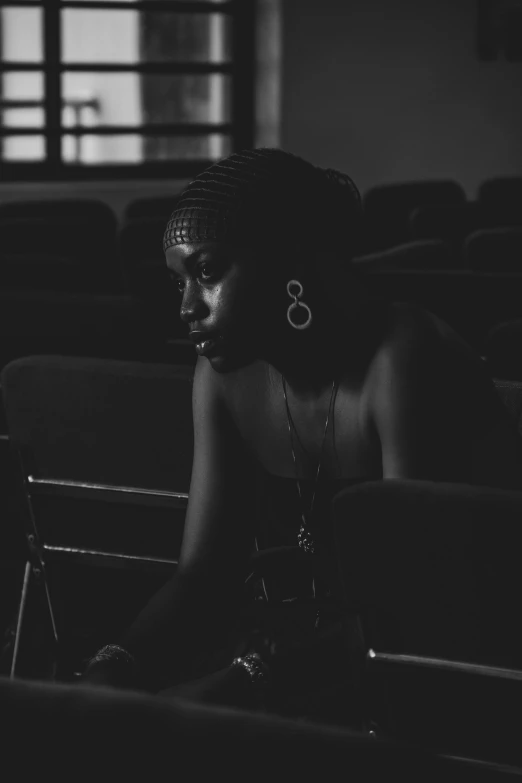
(432, 568)
(450, 707)
(117, 434)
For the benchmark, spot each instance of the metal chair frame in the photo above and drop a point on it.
(401, 662)
(40, 552)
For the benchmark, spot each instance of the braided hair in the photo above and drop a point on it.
(263, 195)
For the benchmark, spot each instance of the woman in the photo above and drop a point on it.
(303, 385)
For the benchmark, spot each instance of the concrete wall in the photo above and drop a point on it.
(391, 90)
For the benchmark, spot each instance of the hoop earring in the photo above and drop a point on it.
(291, 287)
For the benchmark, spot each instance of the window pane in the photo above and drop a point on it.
(23, 118)
(128, 36)
(133, 99)
(22, 85)
(22, 148)
(134, 148)
(21, 35)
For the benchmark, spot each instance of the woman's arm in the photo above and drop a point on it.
(197, 605)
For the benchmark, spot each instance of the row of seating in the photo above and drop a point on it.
(402, 199)
(400, 212)
(87, 229)
(496, 251)
(111, 485)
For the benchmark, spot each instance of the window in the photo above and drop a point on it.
(123, 88)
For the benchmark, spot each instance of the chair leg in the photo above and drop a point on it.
(35, 600)
(19, 622)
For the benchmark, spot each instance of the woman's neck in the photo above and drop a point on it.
(310, 362)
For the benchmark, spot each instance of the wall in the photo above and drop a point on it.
(391, 90)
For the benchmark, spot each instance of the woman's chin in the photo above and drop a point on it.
(228, 361)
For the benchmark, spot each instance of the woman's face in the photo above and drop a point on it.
(223, 302)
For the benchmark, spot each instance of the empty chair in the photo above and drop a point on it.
(496, 250)
(387, 208)
(105, 455)
(503, 350)
(451, 223)
(411, 255)
(448, 706)
(432, 568)
(153, 207)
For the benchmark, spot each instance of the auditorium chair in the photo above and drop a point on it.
(104, 452)
(433, 571)
(152, 207)
(433, 568)
(447, 706)
(117, 735)
(387, 208)
(432, 254)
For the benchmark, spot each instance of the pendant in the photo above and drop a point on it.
(305, 538)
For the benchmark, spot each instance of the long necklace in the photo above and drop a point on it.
(305, 538)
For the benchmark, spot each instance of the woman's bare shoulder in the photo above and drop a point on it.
(415, 342)
(233, 388)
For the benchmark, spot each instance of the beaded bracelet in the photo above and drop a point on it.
(258, 671)
(119, 659)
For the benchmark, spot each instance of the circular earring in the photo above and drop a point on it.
(295, 290)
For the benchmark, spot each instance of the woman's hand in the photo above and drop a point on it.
(112, 667)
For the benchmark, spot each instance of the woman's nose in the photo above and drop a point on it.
(192, 306)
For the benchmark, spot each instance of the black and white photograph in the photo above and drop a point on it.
(261, 390)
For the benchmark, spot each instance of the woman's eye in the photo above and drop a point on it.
(205, 271)
(180, 285)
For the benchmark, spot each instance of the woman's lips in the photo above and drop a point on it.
(206, 347)
(205, 342)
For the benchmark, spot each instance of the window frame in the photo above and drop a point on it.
(241, 70)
